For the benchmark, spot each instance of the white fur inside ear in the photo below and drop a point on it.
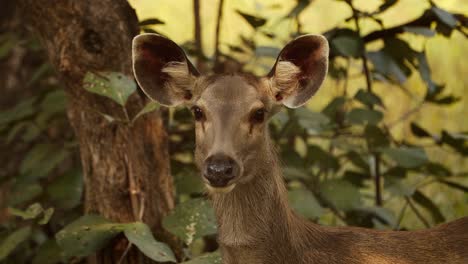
(181, 80)
(286, 79)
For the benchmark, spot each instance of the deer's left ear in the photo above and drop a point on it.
(299, 70)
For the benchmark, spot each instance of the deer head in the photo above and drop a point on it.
(231, 111)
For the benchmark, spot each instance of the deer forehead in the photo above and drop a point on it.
(235, 92)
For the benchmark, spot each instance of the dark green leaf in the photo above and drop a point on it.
(458, 144)
(425, 73)
(13, 240)
(375, 137)
(140, 235)
(48, 253)
(348, 45)
(23, 109)
(65, 192)
(387, 66)
(24, 192)
(362, 116)
(305, 203)
(348, 198)
(420, 31)
(292, 173)
(357, 160)
(150, 21)
(399, 187)
(298, 8)
(407, 157)
(368, 98)
(113, 85)
(191, 220)
(356, 178)
(254, 21)
(312, 121)
(188, 181)
(437, 169)
(445, 17)
(454, 185)
(419, 131)
(427, 203)
(334, 106)
(326, 161)
(264, 51)
(87, 235)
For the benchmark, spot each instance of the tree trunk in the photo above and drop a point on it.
(126, 167)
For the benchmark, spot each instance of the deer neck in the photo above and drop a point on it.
(256, 210)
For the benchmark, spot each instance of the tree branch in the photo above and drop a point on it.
(217, 36)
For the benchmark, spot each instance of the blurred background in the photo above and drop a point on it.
(383, 144)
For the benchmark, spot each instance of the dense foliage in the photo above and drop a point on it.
(342, 165)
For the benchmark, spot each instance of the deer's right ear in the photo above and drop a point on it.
(162, 69)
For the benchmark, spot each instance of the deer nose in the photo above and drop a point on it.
(220, 169)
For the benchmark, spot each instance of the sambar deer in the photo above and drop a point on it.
(241, 170)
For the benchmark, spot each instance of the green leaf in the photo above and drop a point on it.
(342, 194)
(86, 235)
(208, 258)
(23, 109)
(444, 16)
(356, 178)
(407, 157)
(149, 107)
(12, 241)
(22, 193)
(427, 203)
(387, 66)
(291, 173)
(350, 45)
(305, 203)
(368, 98)
(322, 158)
(312, 121)
(254, 21)
(48, 253)
(33, 211)
(113, 85)
(140, 235)
(362, 116)
(65, 192)
(265, 51)
(375, 137)
(357, 160)
(191, 220)
(47, 215)
(334, 107)
(399, 187)
(298, 8)
(425, 73)
(420, 31)
(188, 181)
(151, 21)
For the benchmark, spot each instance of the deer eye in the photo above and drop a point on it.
(258, 116)
(198, 113)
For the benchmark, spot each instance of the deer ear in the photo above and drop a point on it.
(162, 69)
(299, 70)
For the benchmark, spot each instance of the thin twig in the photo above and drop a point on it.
(217, 36)
(377, 176)
(417, 213)
(124, 254)
(400, 217)
(197, 32)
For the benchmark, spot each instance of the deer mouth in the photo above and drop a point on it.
(224, 189)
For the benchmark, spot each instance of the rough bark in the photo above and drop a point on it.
(126, 167)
